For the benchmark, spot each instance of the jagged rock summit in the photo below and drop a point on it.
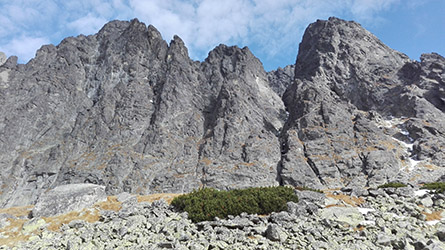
(361, 113)
(126, 110)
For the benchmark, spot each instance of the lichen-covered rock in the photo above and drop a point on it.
(275, 233)
(348, 215)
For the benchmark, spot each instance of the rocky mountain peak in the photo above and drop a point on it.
(327, 43)
(347, 56)
(341, 56)
(126, 110)
(349, 87)
(232, 55)
(177, 48)
(114, 28)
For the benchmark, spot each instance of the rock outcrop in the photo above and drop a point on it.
(67, 198)
(126, 110)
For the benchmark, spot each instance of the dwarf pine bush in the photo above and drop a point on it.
(208, 203)
(392, 185)
(439, 187)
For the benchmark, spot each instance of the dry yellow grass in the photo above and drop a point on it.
(335, 205)
(350, 200)
(55, 222)
(252, 237)
(429, 166)
(433, 216)
(17, 211)
(249, 164)
(415, 177)
(13, 232)
(206, 161)
(110, 204)
(168, 197)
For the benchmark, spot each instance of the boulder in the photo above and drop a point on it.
(349, 215)
(66, 198)
(275, 233)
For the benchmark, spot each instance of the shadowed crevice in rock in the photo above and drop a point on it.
(312, 165)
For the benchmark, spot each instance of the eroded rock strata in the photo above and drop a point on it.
(127, 110)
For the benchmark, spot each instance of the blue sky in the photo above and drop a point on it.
(272, 29)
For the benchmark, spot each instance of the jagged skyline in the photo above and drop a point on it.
(271, 29)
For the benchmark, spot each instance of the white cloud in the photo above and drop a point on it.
(6, 27)
(170, 16)
(88, 24)
(26, 13)
(24, 46)
(366, 9)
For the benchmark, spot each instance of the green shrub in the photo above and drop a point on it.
(208, 203)
(309, 189)
(439, 187)
(392, 185)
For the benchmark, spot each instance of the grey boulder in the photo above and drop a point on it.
(66, 198)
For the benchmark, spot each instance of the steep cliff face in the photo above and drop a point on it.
(360, 112)
(125, 109)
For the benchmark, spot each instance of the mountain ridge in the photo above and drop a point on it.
(126, 110)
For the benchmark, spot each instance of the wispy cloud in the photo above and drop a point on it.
(270, 26)
(366, 9)
(88, 24)
(24, 46)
